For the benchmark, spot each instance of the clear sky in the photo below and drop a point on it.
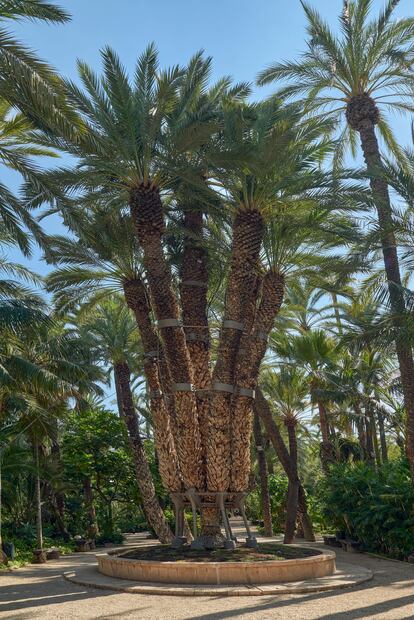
(242, 36)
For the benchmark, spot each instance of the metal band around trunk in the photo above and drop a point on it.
(229, 324)
(169, 323)
(196, 283)
(222, 387)
(193, 336)
(261, 335)
(241, 391)
(182, 387)
(151, 355)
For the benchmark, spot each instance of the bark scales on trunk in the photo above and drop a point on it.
(248, 230)
(193, 295)
(152, 508)
(158, 381)
(148, 218)
(92, 530)
(326, 448)
(293, 488)
(362, 115)
(250, 355)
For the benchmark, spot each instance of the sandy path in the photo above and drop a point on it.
(41, 592)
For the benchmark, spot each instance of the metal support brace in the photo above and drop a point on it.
(230, 543)
(250, 540)
(241, 391)
(169, 323)
(222, 387)
(193, 500)
(182, 387)
(179, 539)
(229, 324)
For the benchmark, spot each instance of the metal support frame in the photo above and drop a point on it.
(223, 500)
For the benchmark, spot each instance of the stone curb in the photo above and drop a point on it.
(346, 577)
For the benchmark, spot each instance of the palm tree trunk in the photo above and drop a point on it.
(3, 557)
(363, 115)
(264, 480)
(127, 412)
(252, 350)
(370, 441)
(93, 529)
(159, 382)
(248, 232)
(293, 489)
(148, 218)
(40, 555)
(306, 521)
(193, 295)
(326, 445)
(261, 406)
(383, 439)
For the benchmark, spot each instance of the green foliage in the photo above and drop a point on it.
(116, 538)
(373, 506)
(278, 485)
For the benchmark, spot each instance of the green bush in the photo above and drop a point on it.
(115, 538)
(278, 485)
(372, 506)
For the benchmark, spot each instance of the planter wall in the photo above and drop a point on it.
(272, 571)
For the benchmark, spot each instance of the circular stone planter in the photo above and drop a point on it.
(271, 571)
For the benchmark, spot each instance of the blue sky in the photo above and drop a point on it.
(243, 36)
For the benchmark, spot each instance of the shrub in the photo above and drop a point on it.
(373, 506)
(278, 485)
(115, 538)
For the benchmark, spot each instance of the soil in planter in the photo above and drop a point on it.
(264, 553)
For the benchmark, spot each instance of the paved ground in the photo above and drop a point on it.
(41, 592)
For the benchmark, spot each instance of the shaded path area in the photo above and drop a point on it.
(41, 592)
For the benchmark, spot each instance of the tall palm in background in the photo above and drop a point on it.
(356, 76)
(114, 334)
(288, 391)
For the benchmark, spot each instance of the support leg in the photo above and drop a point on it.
(250, 540)
(230, 543)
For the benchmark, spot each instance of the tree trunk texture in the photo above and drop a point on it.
(383, 439)
(363, 115)
(293, 488)
(248, 232)
(148, 218)
(159, 382)
(57, 498)
(38, 494)
(305, 519)
(264, 479)
(152, 508)
(262, 407)
(327, 453)
(251, 353)
(92, 529)
(193, 294)
(369, 440)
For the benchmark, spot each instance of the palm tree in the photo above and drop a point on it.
(113, 329)
(106, 261)
(27, 82)
(288, 390)
(264, 411)
(136, 155)
(356, 75)
(17, 149)
(316, 353)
